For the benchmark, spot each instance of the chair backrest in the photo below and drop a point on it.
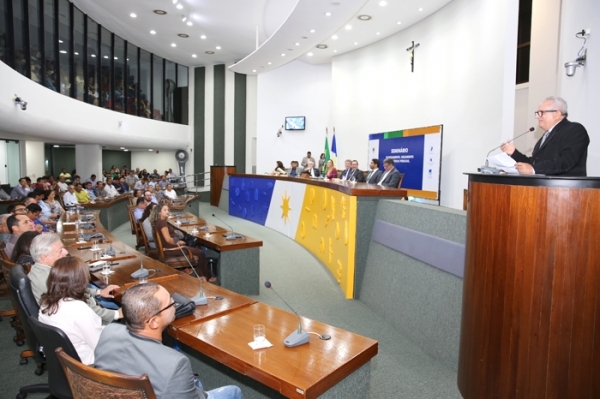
(130, 209)
(3, 254)
(90, 383)
(159, 244)
(20, 290)
(400, 181)
(61, 200)
(51, 338)
(145, 238)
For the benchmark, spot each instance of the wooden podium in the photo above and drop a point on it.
(217, 174)
(531, 301)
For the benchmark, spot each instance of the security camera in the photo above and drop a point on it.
(279, 131)
(571, 67)
(19, 101)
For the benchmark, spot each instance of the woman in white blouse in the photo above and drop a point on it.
(63, 306)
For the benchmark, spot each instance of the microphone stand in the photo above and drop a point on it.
(490, 169)
(228, 236)
(200, 297)
(298, 337)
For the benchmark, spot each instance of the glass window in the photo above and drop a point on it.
(182, 76)
(170, 85)
(93, 91)
(105, 70)
(79, 52)
(119, 71)
(132, 79)
(64, 46)
(19, 30)
(145, 94)
(4, 18)
(50, 46)
(35, 40)
(157, 87)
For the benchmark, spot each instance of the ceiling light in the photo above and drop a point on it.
(174, 1)
(254, 70)
(173, 45)
(297, 44)
(184, 35)
(179, 6)
(190, 23)
(364, 17)
(321, 46)
(355, 43)
(153, 32)
(60, 41)
(335, 51)
(209, 52)
(312, 31)
(150, 149)
(160, 12)
(398, 23)
(194, 55)
(420, 8)
(203, 37)
(76, 53)
(93, 56)
(106, 56)
(383, 3)
(116, 58)
(63, 51)
(334, 37)
(283, 54)
(133, 15)
(56, 146)
(348, 27)
(183, 18)
(122, 148)
(126, 150)
(328, 14)
(218, 47)
(269, 63)
(310, 54)
(377, 33)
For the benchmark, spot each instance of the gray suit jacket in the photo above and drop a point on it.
(39, 275)
(374, 177)
(392, 179)
(170, 372)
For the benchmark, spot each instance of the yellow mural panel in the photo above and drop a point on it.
(324, 241)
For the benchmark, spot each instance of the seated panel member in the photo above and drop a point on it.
(310, 170)
(375, 173)
(357, 175)
(330, 170)
(562, 150)
(391, 176)
(347, 173)
(137, 348)
(295, 170)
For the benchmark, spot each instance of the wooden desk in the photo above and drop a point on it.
(305, 371)
(184, 203)
(113, 211)
(239, 260)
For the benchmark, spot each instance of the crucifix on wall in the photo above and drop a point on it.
(412, 55)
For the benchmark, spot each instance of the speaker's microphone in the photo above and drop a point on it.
(298, 337)
(488, 169)
(199, 298)
(228, 236)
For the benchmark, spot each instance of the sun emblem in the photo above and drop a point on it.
(285, 207)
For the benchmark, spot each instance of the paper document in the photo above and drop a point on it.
(504, 162)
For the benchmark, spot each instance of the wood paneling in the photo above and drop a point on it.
(531, 302)
(217, 174)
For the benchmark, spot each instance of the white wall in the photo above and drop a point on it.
(35, 159)
(296, 89)
(161, 161)
(464, 79)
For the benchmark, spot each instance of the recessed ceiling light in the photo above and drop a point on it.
(184, 35)
(56, 146)
(310, 54)
(189, 23)
(312, 31)
(283, 54)
(364, 17)
(174, 1)
(383, 3)
(63, 51)
(150, 149)
(76, 53)
(218, 47)
(203, 37)
(377, 33)
(122, 148)
(297, 44)
(60, 41)
(355, 43)
(398, 23)
(269, 63)
(420, 8)
(116, 58)
(126, 150)
(194, 55)
(183, 18)
(328, 14)
(160, 12)
(254, 70)
(335, 51)
(153, 32)
(133, 15)
(179, 6)
(334, 37)
(321, 46)
(106, 56)
(209, 52)
(348, 27)
(173, 45)
(93, 56)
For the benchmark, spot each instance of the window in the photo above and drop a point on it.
(93, 61)
(105, 69)
(50, 46)
(119, 73)
(19, 36)
(35, 41)
(170, 85)
(4, 38)
(64, 46)
(157, 87)
(132, 88)
(78, 52)
(145, 91)
(524, 41)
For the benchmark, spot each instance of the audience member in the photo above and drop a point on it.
(70, 198)
(375, 173)
(145, 220)
(82, 196)
(330, 170)
(4, 195)
(306, 159)
(21, 190)
(52, 204)
(149, 196)
(76, 179)
(391, 176)
(321, 164)
(33, 213)
(92, 179)
(17, 225)
(141, 184)
(45, 250)
(170, 174)
(21, 252)
(169, 192)
(17, 209)
(110, 188)
(131, 179)
(89, 188)
(4, 232)
(65, 175)
(64, 306)
(62, 184)
(137, 348)
(163, 182)
(100, 191)
(140, 206)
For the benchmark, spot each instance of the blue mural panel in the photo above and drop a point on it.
(250, 198)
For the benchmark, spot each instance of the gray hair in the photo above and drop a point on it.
(41, 245)
(389, 161)
(139, 304)
(560, 104)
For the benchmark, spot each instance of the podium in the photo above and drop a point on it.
(531, 301)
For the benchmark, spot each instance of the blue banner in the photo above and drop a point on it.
(250, 198)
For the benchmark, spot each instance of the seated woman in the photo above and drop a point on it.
(171, 240)
(64, 306)
(21, 252)
(147, 225)
(279, 169)
(50, 200)
(331, 171)
(33, 213)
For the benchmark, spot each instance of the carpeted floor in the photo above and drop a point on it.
(400, 370)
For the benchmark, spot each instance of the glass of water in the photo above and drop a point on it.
(259, 333)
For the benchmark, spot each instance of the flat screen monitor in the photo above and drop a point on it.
(295, 122)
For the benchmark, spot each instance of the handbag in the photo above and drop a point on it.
(190, 240)
(183, 306)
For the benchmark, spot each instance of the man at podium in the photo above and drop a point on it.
(562, 150)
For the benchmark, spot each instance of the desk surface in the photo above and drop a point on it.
(305, 371)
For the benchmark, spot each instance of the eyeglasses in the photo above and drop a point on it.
(162, 310)
(539, 114)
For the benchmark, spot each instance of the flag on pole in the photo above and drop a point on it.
(326, 151)
(333, 155)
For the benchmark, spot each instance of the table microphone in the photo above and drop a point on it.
(228, 236)
(489, 169)
(298, 337)
(199, 298)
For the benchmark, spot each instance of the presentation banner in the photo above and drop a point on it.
(417, 153)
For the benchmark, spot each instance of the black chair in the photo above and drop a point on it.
(52, 338)
(20, 289)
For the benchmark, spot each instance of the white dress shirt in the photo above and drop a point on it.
(70, 199)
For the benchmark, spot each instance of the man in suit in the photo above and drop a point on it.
(308, 158)
(137, 348)
(310, 170)
(391, 176)
(562, 150)
(295, 170)
(357, 174)
(375, 174)
(347, 173)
